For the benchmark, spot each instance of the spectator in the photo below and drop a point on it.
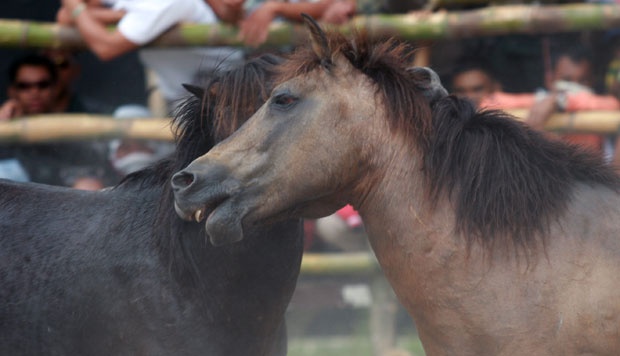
(254, 28)
(474, 82)
(130, 155)
(569, 88)
(339, 12)
(68, 71)
(141, 21)
(612, 84)
(568, 84)
(32, 90)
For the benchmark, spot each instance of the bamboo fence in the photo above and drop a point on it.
(77, 127)
(422, 25)
(339, 263)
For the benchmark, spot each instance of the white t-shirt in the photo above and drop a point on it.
(145, 20)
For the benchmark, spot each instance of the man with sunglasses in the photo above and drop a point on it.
(31, 89)
(69, 70)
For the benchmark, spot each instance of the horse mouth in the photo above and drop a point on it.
(200, 214)
(221, 216)
(197, 214)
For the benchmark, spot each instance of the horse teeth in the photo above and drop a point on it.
(198, 215)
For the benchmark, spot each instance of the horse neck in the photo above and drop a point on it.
(404, 226)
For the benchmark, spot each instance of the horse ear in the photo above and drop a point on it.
(195, 90)
(318, 40)
(429, 82)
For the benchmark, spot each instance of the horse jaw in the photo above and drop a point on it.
(224, 225)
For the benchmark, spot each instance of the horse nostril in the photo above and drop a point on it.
(182, 180)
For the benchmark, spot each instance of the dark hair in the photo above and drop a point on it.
(471, 65)
(36, 60)
(575, 52)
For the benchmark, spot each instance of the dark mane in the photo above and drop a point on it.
(228, 99)
(504, 178)
(506, 181)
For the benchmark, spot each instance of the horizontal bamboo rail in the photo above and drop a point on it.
(597, 122)
(488, 21)
(78, 127)
(338, 263)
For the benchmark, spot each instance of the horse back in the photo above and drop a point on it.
(82, 273)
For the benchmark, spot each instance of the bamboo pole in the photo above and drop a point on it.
(338, 263)
(596, 122)
(76, 127)
(488, 21)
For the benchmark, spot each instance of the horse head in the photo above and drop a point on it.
(330, 91)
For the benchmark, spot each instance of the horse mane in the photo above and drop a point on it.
(504, 177)
(213, 113)
(508, 182)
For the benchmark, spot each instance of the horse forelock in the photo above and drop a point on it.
(386, 62)
(508, 182)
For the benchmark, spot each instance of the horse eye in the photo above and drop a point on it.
(284, 100)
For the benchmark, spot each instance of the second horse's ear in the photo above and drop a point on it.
(318, 40)
(430, 84)
(195, 90)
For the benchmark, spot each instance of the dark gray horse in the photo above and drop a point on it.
(116, 272)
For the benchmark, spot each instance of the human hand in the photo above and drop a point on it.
(229, 11)
(10, 109)
(234, 4)
(70, 4)
(254, 29)
(63, 17)
(542, 110)
(339, 12)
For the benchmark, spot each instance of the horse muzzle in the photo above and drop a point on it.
(208, 193)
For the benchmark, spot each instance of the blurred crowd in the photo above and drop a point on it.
(540, 75)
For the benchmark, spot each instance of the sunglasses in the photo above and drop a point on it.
(41, 85)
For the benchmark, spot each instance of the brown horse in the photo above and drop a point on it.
(497, 240)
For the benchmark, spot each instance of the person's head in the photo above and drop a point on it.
(474, 82)
(128, 155)
(573, 64)
(32, 81)
(67, 68)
